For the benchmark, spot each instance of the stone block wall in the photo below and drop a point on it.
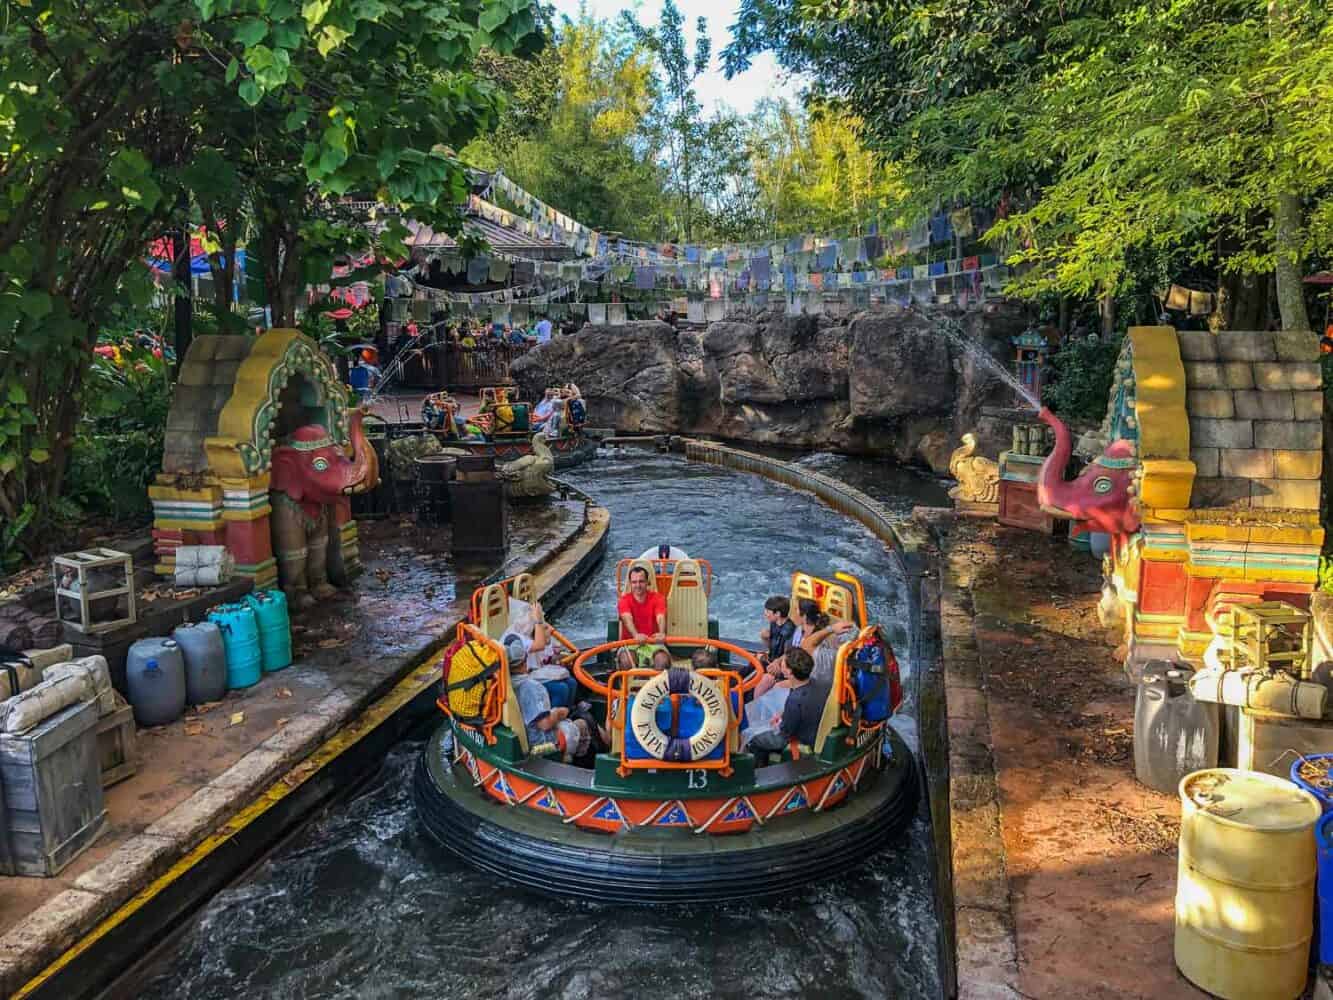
(1255, 414)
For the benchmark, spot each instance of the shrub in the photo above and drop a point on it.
(1078, 386)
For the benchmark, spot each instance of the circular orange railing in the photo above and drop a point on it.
(587, 680)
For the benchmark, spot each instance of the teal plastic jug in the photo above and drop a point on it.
(275, 628)
(240, 639)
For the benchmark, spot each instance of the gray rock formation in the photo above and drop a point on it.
(878, 382)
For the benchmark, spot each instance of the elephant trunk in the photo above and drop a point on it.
(1052, 489)
(365, 473)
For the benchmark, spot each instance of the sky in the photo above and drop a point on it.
(764, 78)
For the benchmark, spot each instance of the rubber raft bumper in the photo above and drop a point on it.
(535, 850)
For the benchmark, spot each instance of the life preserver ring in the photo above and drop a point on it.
(678, 680)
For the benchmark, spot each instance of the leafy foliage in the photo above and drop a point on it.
(1115, 130)
(115, 118)
(1081, 370)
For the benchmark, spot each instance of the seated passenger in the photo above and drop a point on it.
(642, 614)
(820, 636)
(777, 634)
(703, 658)
(661, 660)
(800, 715)
(550, 730)
(531, 629)
(543, 410)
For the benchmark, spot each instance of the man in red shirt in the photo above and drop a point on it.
(642, 614)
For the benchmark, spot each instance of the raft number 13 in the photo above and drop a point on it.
(696, 778)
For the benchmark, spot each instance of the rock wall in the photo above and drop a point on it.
(882, 382)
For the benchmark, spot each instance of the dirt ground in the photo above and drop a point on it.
(1090, 852)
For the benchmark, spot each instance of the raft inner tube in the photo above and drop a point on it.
(646, 865)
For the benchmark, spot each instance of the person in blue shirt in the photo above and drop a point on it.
(543, 330)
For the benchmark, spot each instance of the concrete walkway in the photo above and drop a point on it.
(1063, 865)
(197, 772)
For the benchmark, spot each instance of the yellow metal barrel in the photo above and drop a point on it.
(1245, 889)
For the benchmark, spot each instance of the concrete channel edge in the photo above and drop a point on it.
(50, 939)
(978, 947)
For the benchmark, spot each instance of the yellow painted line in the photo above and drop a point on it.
(420, 678)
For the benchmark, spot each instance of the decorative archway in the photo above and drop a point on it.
(214, 487)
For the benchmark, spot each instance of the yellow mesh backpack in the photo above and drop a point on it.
(471, 666)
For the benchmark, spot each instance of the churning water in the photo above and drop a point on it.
(364, 905)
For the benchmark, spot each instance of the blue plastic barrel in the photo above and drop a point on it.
(275, 628)
(1323, 790)
(240, 639)
(1323, 837)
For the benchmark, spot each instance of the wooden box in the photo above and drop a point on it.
(51, 786)
(94, 590)
(115, 743)
(1018, 507)
(1269, 743)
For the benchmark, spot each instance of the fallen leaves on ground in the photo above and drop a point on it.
(331, 643)
(194, 727)
(206, 706)
(236, 719)
(282, 692)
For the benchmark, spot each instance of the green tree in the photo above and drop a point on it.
(1122, 132)
(579, 130)
(109, 107)
(684, 130)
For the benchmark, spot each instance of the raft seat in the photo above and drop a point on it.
(833, 599)
(524, 588)
(493, 616)
(687, 602)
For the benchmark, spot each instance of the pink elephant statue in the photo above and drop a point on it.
(1102, 496)
(309, 475)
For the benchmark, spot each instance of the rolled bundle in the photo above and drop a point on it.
(23, 711)
(94, 668)
(202, 565)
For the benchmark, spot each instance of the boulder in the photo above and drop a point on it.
(883, 383)
(900, 367)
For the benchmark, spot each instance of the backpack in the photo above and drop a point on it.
(468, 667)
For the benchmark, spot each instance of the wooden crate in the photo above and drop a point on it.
(1269, 743)
(1019, 509)
(51, 785)
(115, 743)
(94, 577)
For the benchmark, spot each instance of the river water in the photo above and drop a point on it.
(362, 904)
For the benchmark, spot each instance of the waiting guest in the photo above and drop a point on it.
(543, 330)
(800, 715)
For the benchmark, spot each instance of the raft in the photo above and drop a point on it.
(675, 807)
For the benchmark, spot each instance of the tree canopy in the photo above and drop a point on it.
(120, 119)
(1120, 133)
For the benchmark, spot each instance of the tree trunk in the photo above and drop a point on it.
(1245, 297)
(1107, 309)
(180, 269)
(1287, 240)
